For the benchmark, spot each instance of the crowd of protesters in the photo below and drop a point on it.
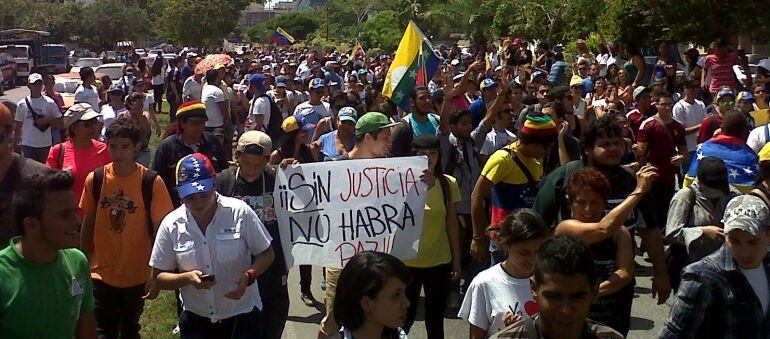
(547, 174)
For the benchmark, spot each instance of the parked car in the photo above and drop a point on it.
(141, 52)
(56, 56)
(169, 56)
(111, 56)
(66, 84)
(22, 54)
(155, 52)
(8, 69)
(113, 70)
(86, 62)
(76, 54)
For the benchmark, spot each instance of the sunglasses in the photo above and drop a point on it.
(759, 92)
(613, 111)
(727, 103)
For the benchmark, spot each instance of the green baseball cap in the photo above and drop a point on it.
(372, 122)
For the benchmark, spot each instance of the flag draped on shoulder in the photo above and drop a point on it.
(415, 63)
(741, 161)
(281, 37)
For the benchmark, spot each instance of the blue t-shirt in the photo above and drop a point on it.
(556, 76)
(588, 86)
(429, 127)
(478, 110)
(329, 146)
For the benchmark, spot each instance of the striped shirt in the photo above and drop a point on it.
(721, 71)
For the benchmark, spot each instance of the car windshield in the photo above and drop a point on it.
(114, 72)
(88, 62)
(17, 52)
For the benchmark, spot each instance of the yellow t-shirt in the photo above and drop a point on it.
(122, 243)
(760, 117)
(512, 189)
(434, 241)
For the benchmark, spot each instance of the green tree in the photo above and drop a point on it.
(298, 24)
(197, 23)
(699, 21)
(62, 20)
(383, 30)
(109, 21)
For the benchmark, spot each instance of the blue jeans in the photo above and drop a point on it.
(242, 326)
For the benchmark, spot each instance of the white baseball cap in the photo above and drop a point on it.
(34, 77)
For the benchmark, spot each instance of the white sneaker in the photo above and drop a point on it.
(175, 330)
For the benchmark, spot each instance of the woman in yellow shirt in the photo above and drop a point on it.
(438, 260)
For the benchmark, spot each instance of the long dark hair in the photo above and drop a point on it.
(437, 172)
(157, 66)
(365, 275)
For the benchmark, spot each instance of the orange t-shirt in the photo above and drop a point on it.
(122, 243)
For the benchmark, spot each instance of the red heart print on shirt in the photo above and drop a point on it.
(531, 308)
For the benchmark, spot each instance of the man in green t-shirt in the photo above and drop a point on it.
(45, 282)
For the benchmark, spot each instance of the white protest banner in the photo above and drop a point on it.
(330, 211)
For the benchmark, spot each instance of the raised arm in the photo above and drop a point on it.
(593, 232)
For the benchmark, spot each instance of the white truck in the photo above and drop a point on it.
(25, 62)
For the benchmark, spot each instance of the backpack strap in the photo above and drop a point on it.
(148, 181)
(530, 179)
(61, 156)
(98, 181)
(758, 193)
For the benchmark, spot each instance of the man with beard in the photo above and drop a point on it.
(603, 147)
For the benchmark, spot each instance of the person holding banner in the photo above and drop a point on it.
(372, 300)
(295, 149)
(373, 131)
(439, 242)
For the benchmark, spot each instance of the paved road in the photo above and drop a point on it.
(646, 321)
(647, 317)
(15, 94)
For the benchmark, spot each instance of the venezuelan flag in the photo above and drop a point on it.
(742, 163)
(415, 63)
(281, 37)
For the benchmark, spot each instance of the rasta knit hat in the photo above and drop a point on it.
(192, 109)
(539, 128)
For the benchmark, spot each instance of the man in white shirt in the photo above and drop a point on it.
(690, 112)
(87, 92)
(214, 99)
(259, 109)
(314, 109)
(35, 115)
(192, 88)
(210, 240)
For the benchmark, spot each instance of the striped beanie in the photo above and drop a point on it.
(539, 126)
(192, 109)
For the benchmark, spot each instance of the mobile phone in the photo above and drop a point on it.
(207, 277)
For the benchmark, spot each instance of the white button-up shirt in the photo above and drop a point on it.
(234, 235)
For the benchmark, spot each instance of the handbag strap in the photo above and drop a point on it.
(530, 179)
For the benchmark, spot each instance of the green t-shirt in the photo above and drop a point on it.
(43, 300)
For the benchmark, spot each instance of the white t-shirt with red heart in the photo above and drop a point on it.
(492, 294)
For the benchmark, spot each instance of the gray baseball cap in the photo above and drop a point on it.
(746, 213)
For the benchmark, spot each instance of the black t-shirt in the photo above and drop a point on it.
(259, 196)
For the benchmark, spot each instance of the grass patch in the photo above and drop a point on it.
(159, 316)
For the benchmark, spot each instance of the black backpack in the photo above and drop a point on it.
(148, 180)
(273, 127)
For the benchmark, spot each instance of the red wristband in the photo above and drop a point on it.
(252, 276)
